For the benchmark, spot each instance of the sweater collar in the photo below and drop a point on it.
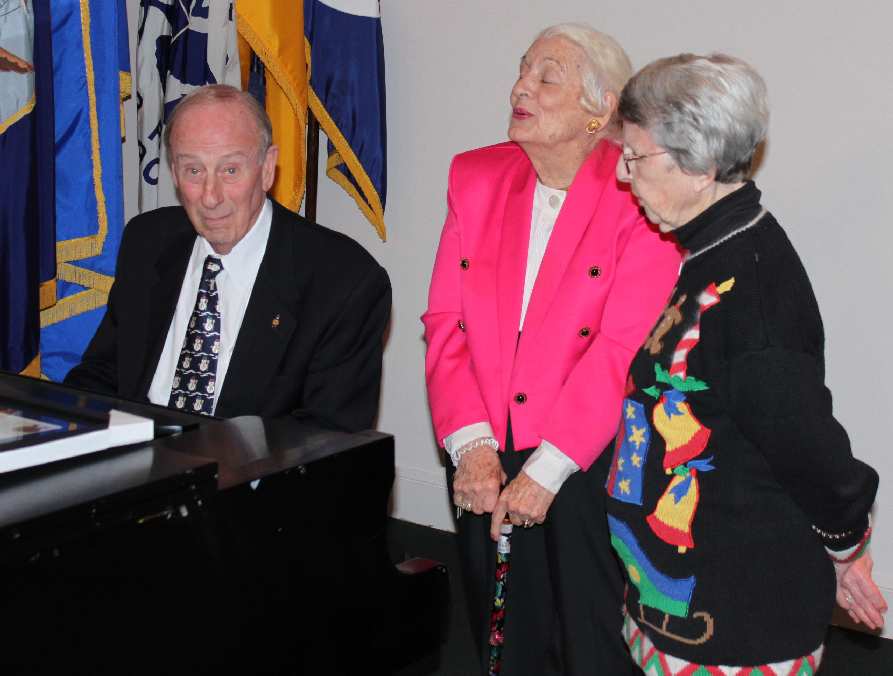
(720, 219)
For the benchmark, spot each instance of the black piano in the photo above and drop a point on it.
(223, 546)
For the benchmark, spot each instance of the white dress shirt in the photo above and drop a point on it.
(234, 285)
(547, 465)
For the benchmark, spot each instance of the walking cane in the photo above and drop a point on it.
(497, 615)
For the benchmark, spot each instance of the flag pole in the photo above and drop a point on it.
(312, 166)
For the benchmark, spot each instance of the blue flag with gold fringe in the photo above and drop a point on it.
(91, 78)
(347, 96)
(27, 238)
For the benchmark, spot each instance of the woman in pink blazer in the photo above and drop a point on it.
(547, 280)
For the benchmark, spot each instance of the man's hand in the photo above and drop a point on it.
(524, 500)
(477, 481)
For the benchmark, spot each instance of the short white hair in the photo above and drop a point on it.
(607, 65)
(708, 112)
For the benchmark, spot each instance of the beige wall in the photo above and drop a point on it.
(450, 65)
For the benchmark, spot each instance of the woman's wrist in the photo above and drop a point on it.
(480, 442)
(855, 552)
(849, 554)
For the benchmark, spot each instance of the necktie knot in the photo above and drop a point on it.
(213, 267)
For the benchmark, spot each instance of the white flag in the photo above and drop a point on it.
(182, 45)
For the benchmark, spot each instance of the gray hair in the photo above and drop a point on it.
(708, 112)
(222, 93)
(608, 66)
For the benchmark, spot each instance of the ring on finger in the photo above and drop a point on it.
(527, 523)
(849, 597)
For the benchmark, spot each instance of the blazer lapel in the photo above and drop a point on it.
(512, 265)
(170, 269)
(268, 324)
(575, 217)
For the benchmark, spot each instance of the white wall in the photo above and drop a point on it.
(450, 65)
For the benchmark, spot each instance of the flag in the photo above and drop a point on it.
(630, 453)
(270, 31)
(656, 590)
(347, 96)
(27, 238)
(181, 45)
(90, 65)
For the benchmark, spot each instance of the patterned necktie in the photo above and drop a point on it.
(195, 379)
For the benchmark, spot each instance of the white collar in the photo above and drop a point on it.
(548, 198)
(244, 258)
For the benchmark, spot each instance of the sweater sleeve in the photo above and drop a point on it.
(779, 399)
(780, 402)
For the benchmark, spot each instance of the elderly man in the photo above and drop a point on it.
(232, 305)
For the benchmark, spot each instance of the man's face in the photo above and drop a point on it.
(218, 170)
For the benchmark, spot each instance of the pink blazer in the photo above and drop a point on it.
(604, 279)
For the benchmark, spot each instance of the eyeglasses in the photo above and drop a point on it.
(632, 158)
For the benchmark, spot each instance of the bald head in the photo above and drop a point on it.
(225, 95)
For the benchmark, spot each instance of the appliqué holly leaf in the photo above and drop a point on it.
(689, 384)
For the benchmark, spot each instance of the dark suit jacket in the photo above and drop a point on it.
(321, 359)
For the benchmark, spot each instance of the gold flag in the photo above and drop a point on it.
(274, 30)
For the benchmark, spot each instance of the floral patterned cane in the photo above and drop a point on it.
(497, 615)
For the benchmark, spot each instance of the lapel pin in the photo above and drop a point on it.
(275, 322)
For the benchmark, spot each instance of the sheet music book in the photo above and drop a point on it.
(32, 436)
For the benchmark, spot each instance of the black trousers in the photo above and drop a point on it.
(564, 591)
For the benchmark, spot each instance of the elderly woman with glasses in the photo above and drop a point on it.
(733, 495)
(546, 281)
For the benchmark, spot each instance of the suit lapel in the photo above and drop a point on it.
(268, 324)
(574, 219)
(512, 264)
(170, 269)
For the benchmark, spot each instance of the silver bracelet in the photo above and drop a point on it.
(825, 535)
(457, 453)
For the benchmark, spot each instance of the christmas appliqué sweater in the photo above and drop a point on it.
(728, 454)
